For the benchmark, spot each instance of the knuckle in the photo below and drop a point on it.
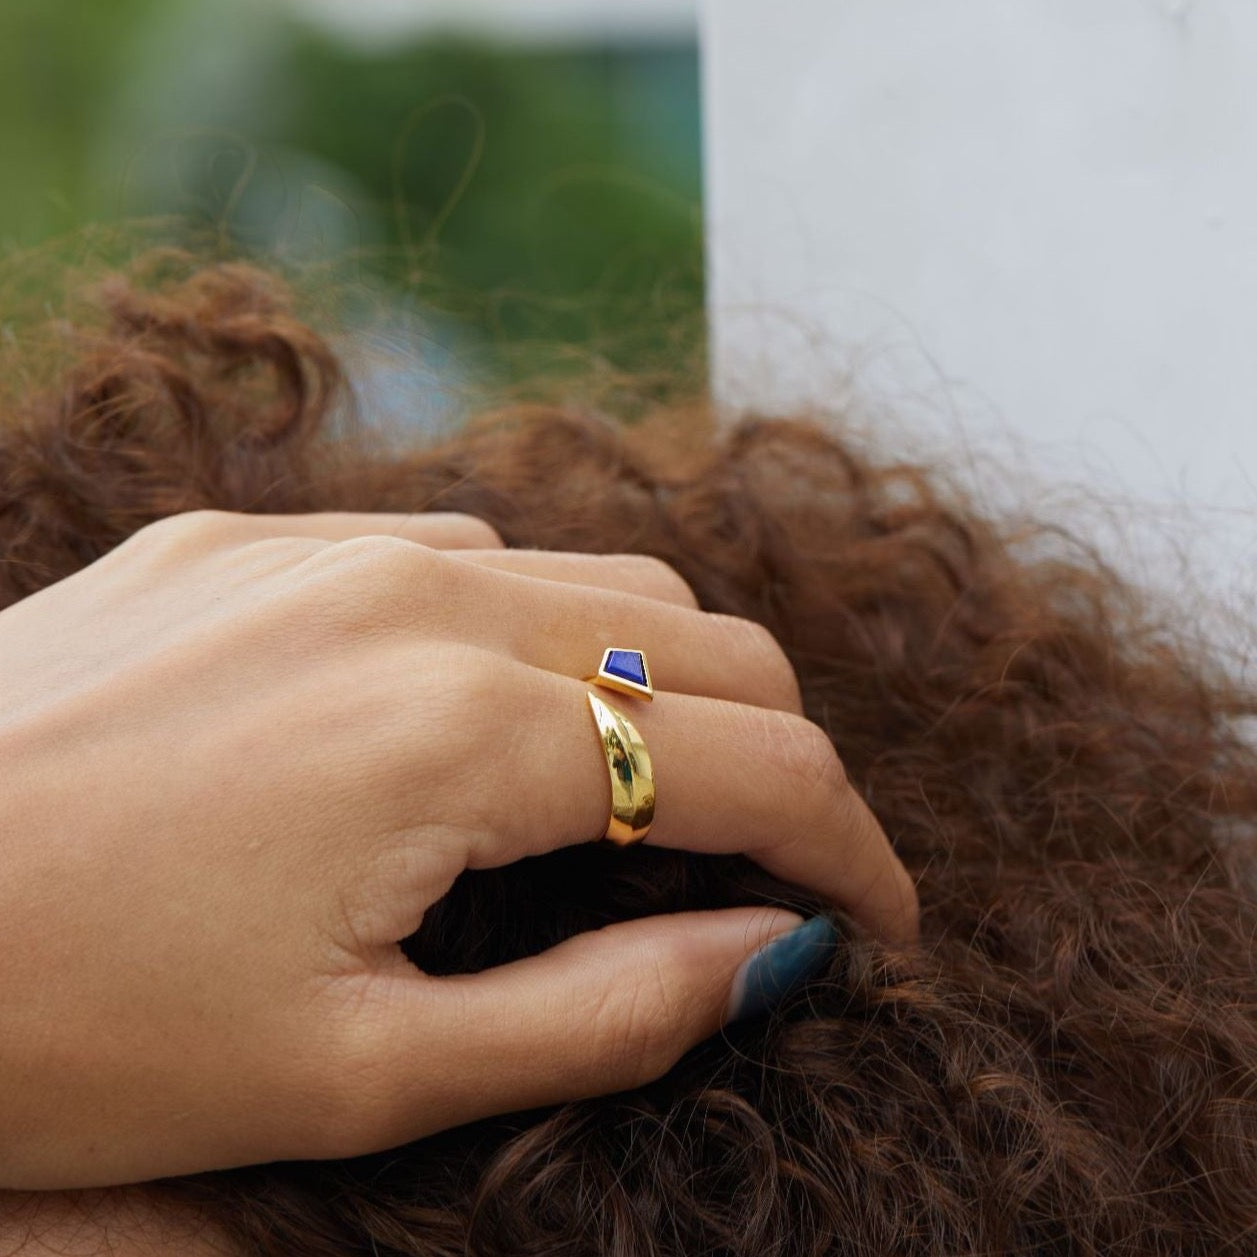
(349, 1084)
(459, 689)
(327, 1093)
(806, 754)
(374, 583)
(658, 579)
(474, 533)
(266, 553)
(471, 681)
(639, 1032)
(185, 532)
(202, 522)
(377, 550)
(766, 659)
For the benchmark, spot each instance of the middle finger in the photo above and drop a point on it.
(564, 627)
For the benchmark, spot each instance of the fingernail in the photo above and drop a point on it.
(771, 972)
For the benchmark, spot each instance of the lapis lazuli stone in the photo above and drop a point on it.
(628, 665)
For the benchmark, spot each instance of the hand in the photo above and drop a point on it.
(241, 755)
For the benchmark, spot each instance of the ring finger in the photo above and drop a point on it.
(729, 778)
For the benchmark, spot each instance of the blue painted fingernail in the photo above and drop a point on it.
(769, 974)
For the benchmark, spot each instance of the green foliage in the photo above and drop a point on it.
(541, 206)
(549, 185)
(59, 60)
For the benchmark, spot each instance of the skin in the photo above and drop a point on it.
(108, 1222)
(241, 755)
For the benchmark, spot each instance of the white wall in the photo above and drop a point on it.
(1020, 225)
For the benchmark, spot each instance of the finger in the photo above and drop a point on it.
(729, 778)
(476, 542)
(637, 574)
(565, 627)
(599, 1013)
(442, 530)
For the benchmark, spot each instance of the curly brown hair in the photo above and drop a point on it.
(1067, 1062)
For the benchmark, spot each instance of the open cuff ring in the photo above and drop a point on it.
(628, 760)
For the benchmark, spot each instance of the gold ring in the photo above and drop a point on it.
(632, 782)
(624, 671)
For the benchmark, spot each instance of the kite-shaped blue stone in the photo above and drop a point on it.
(628, 665)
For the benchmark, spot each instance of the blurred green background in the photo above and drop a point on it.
(513, 201)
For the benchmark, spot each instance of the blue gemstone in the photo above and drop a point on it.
(628, 665)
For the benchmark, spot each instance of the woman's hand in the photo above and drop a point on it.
(241, 755)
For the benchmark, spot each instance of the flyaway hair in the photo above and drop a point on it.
(1066, 1064)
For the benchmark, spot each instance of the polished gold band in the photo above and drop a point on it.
(632, 782)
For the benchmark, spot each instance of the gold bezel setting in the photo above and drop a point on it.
(624, 671)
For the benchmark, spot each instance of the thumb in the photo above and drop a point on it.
(601, 1012)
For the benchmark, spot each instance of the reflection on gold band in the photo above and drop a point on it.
(632, 782)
